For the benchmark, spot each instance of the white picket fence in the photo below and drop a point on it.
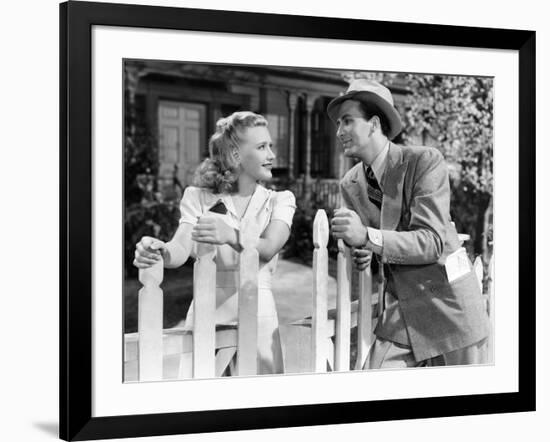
(208, 350)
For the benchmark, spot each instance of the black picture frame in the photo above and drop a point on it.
(76, 21)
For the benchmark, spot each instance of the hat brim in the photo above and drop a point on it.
(391, 114)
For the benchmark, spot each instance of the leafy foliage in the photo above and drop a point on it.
(147, 218)
(140, 151)
(146, 212)
(454, 113)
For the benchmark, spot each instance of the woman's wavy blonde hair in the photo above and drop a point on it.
(220, 172)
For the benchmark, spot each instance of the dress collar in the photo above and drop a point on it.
(257, 201)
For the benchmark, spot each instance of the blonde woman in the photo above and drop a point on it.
(227, 191)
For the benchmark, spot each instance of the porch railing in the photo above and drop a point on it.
(324, 192)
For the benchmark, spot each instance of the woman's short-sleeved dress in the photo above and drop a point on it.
(265, 206)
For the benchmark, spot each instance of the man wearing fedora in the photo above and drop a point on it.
(396, 207)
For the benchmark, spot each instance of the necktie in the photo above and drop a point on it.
(373, 189)
(374, 193)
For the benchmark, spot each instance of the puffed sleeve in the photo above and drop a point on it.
(190, 205)
(284, 206)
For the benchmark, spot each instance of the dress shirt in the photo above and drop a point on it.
(375, 240)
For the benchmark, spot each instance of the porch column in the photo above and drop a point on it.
(310, 102)
(292, 102)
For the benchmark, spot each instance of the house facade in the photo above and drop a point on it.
(181, 102)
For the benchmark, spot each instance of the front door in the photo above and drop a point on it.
(182, 140)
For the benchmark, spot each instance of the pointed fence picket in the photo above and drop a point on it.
(343, 308)
(364, 318)
(150, 305)
(491, 311)
(204, 315)
(247, 354)
(319, 345)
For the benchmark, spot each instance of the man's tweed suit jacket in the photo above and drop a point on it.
(418, 235)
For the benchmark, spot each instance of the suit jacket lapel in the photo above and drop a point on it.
(357, 191)
(392, 183)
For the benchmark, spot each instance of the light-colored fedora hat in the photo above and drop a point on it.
(369, 91)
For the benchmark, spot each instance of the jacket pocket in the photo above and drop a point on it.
(465, 289)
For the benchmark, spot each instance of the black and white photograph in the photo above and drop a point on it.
(273, 220)
(286, 220)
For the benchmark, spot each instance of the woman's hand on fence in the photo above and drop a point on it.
(149, 251)
(213, 230)
(361, 258)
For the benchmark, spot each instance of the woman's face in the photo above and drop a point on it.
(256, 156)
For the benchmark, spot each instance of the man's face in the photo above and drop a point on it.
(354, 132)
